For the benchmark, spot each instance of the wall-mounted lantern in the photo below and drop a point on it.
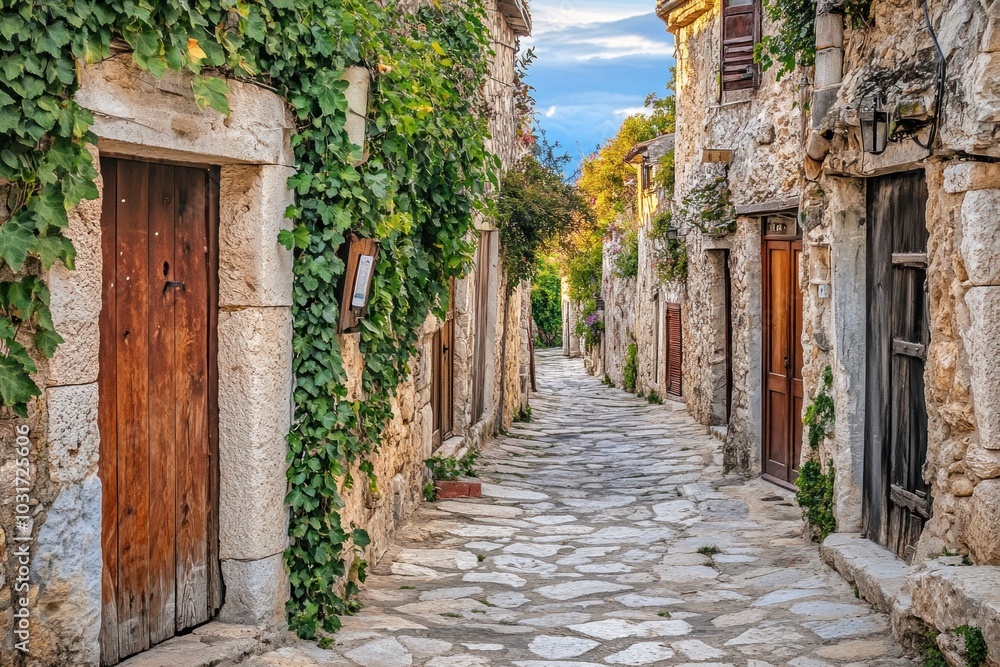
(874, 127)
(599, 307)
(355, 286)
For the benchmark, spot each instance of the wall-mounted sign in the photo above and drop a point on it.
(362, 281)
(354, 289)
(722, 155)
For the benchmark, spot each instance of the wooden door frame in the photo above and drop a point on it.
(214, 593)
(793, 239)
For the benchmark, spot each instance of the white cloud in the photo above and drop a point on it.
(559, 14)
(636, 36)
(632, 111)
(550, 112)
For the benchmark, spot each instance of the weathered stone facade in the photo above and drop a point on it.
(896, 57)
(140, 116)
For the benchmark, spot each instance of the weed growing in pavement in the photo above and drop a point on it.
(654, 398)
(523, 416)
(664, 614)
(430, 492)
(932, 654)
(709, 550)
(480, 557)
(975, 645)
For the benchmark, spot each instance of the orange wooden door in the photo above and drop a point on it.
(783, 387)
(157, 406)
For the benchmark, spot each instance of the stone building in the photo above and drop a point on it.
(233, 173)
(900, 287)
(874, 259)
(738, 134)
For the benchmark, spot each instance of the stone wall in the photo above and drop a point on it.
(962, 394)
(763, 129)
(139, 115)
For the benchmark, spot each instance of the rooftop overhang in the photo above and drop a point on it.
(678, 14)
(517, 15)
(650, 150)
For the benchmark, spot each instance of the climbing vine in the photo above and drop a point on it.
(625, 253)
(630, 372)
(816, 488)
(793, 44)
(709, 208)
(669, 254)
(417, 193)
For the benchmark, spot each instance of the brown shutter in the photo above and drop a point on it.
(674, 350)
(740, 21)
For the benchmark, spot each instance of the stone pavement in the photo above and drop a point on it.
(610, 536)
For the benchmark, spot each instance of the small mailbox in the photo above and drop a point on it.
(355, 286)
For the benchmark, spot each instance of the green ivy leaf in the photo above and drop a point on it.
(210, 91)
(16, 385)
(15, 242)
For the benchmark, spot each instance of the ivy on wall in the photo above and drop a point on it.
(816, 487)
(417, 193)
(793, 43)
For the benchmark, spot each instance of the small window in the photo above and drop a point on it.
(647, 177)
(740, 32)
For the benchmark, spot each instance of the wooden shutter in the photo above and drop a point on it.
(674, 350)
(740, 31)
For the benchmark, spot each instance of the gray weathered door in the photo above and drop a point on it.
(897, 502)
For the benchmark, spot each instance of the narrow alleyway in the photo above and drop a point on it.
(609, 536)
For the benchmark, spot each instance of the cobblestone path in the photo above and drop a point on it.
(609, 537)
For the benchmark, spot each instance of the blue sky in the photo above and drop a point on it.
(597, 61)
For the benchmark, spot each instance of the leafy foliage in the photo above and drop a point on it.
(666, 172)
(815, 496)
(449, 468)
(976, 650)
(417, 193)
(535, 207)
(546, 303)
(819, 416)
(669, 254)
(816, 488)
(625, 251)
(933, 657)
(794, 45)
(590, 325)
(654, 398)
(630, 371)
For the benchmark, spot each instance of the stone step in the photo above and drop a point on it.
(211, 645)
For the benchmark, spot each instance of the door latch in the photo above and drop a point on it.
(174, 284)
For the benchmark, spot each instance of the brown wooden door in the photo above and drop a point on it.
(484, 253)
(443, 385)
(157, 405)
(783, 388)
(675, 350)
(897, 501)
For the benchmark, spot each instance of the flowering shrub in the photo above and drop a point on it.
(590, 326)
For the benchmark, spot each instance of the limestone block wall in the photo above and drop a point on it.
(961, 387)
(764, 129)
(620, 298)
(139, 115)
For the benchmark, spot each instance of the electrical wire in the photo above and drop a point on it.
(942, 74)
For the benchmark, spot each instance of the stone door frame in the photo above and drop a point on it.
(140, 116)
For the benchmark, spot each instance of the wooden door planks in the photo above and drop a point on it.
(158, 410)
(162, 435)
(132, 333)
(192, 407)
